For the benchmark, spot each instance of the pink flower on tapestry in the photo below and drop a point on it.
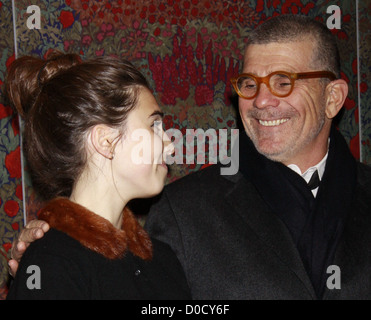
(86, 40)
(99, 53)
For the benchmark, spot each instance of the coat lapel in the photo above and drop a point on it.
(244, 199)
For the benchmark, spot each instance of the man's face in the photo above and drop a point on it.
(292, 128)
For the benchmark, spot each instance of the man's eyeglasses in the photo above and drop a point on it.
(280, 83)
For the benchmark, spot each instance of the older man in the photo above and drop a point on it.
(265, 233)
(295, 221)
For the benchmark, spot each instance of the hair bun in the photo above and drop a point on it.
(56, 63)
(27, 74)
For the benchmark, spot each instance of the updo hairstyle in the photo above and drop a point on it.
(61, 99)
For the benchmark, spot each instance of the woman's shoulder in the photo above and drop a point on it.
(57, 249)
(53, 267)
(55, 242)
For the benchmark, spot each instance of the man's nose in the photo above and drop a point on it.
(265, 98)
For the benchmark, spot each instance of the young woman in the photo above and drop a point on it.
(93, 141)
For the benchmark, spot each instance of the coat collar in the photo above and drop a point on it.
(96, 233)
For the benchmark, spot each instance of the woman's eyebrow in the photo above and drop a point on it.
(156, 113)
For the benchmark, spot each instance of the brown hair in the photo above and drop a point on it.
(289, 28)
(62, 98)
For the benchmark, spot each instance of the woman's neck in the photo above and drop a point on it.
(98, 198)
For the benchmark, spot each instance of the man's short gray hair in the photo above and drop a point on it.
(291, 28)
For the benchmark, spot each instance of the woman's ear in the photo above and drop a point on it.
(103, 139)
(336, 93)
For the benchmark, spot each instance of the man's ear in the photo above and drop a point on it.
(336, 93)
(103, 139)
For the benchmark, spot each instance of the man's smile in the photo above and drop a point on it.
(271, 123)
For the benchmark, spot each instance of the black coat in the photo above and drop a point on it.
(69, 270)
(232, 246)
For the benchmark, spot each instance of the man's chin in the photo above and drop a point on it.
(272, 152)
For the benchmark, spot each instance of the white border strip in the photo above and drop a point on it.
(14, 14)
(14, 29)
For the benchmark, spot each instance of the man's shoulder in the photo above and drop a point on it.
(209, 176)
(364, 175)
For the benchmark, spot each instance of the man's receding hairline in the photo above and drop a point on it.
(311, 38)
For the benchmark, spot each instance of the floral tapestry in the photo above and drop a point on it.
(187, 49)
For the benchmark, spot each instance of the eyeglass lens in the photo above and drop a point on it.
(280, 85)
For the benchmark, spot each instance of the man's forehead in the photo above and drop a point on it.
(296, 45)
(297, 53)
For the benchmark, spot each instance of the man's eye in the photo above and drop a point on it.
(281, 80)
(248, 84)
(283, 84)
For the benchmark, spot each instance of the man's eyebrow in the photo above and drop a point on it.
(156, 113)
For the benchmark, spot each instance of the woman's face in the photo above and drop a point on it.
(139, 168)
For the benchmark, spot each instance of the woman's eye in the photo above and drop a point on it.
(157, 126)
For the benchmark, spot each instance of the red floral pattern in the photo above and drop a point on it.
(175, 12)
(11, 208)
(67, 19)
(13, 163)
(11, 215)
(176, 75)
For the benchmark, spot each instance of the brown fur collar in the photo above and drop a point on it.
(97, 233)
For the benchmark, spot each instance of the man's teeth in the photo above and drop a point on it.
(272, 123)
